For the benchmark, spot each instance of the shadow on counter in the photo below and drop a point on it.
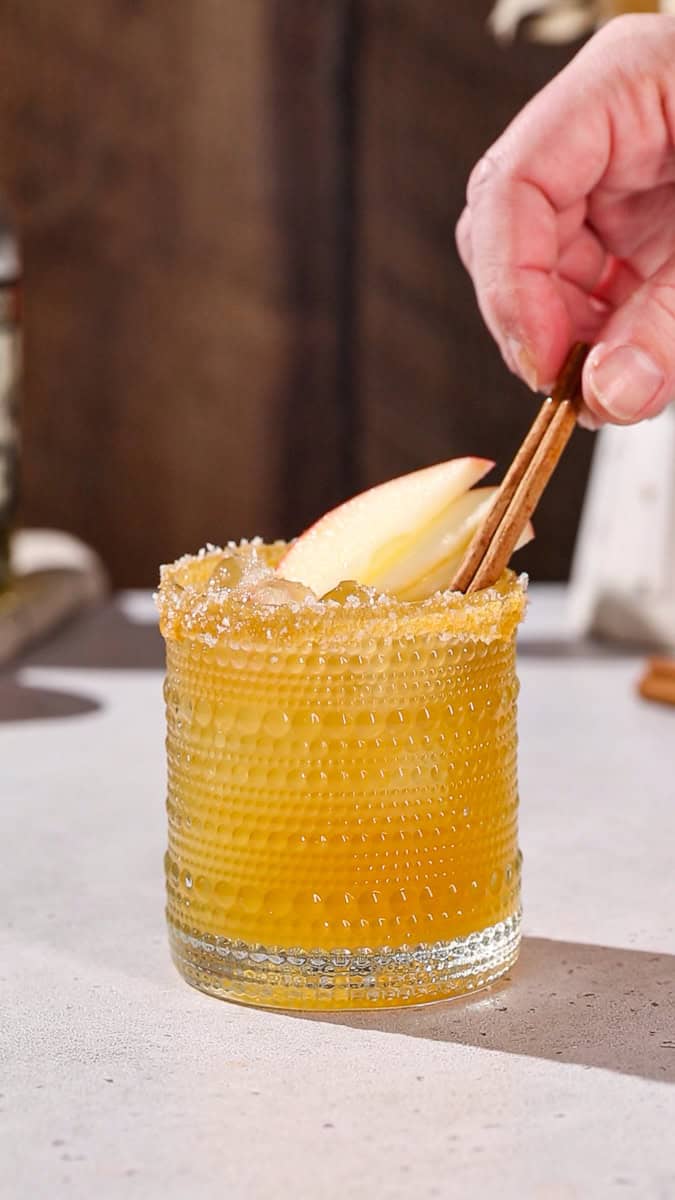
(104, 638)
(565, 1002)
(21, 702)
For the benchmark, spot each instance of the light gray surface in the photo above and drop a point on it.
(118, 1080)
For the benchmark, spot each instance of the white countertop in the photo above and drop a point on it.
(118, 1080)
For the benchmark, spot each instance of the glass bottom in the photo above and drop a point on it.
(345, 979)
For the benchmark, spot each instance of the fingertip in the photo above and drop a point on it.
(520, 360)
(534, 326)
(588, 421)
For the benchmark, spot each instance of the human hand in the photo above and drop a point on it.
(569, 228)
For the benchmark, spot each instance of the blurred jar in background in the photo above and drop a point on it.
(10, 369)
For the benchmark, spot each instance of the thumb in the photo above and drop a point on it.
(630, 373)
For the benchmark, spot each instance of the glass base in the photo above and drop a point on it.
(344, 979)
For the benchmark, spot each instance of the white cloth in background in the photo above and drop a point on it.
(623, 576)
(54, 576)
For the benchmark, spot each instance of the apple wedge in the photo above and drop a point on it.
(404, 537)
(438, 555)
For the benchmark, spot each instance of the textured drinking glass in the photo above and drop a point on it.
(342, 794)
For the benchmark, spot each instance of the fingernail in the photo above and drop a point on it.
(523, 363)
(624, 381)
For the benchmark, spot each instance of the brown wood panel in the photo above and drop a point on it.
(434, 92)
(242, 295)
(176, 170)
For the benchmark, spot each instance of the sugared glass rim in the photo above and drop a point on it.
(191, 611)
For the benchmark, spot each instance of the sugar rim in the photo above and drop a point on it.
(190, 610)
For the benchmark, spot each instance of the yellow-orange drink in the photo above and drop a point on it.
(342, 792)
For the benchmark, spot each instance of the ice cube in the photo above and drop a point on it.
(227, 573)
(350, 592)
(276, 592)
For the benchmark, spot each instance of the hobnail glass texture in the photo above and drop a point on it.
(342, 803)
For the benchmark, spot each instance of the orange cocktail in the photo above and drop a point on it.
(342, 792)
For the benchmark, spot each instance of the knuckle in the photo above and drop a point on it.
(483, 175)
(631, 39)
(463, 236)
(625, 25)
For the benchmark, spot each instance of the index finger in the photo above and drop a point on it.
(547, 162)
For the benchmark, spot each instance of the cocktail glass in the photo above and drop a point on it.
(342, 790)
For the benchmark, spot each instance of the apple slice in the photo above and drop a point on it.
(438, 555)
(395, 535)
(367, 535)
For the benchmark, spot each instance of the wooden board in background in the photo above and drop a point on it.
(176, 173)
(242, 296)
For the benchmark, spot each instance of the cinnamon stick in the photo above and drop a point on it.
(658, 681)
(521, 489)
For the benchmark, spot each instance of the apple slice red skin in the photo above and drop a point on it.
(421, 494)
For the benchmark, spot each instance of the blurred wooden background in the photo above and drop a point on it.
(243, 301)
